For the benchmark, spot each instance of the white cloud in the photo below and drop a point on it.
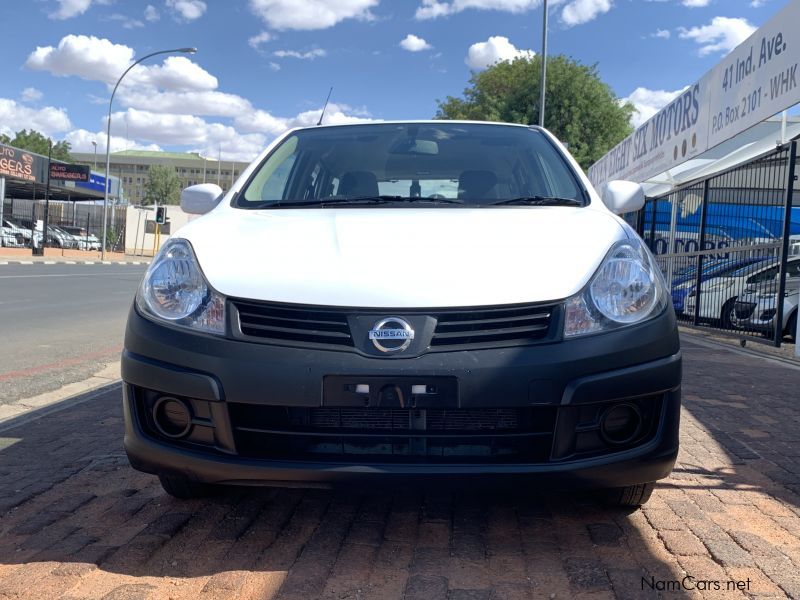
(496, 49)
(574, 12)
(151, 13)
(31, 94)
(70, 8)
(261, 38)
(335, 114)
(648, 102)
(187, 10)
(722, 34)
(126, 21)
(663, 34)
(310, 14)
(74, 8)
(696, 3)
(243, 140)
(261, 121)
(176, 73)
(81, 141)
(173, 104)
(310, 55)
(578, 12)
(86, 57)
(48, 120)
(205, 103)
(413, 43)
(161, 128)
(431, 9)
(96, 59)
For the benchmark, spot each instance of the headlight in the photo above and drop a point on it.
(628, 288)
(174, 290)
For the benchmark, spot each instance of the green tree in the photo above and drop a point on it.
(33, 141)
(163, 186)
(581, 109)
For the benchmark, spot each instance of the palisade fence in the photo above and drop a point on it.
(725, 245)
(88, 217)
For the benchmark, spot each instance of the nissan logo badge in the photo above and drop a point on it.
(391, 334)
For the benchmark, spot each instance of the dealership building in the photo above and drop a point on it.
(132, 167)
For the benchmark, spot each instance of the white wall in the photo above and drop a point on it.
(143, 244)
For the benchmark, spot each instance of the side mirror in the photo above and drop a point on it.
(200, 199)
(623, 196)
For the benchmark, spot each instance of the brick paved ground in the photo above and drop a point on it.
(77, 522)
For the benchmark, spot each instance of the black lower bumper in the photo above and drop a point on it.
(558, 393)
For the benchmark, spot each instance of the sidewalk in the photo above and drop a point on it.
(77, 522)
(11, 256)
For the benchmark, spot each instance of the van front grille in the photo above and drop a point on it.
(293, 324)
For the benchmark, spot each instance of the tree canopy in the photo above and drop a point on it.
(581, 110)
(33, 141)
(163, 186)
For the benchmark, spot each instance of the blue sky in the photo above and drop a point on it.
(265, 65)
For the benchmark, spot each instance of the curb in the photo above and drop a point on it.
(74, 262)
(27, 409)
(33, 414)
(709, 343)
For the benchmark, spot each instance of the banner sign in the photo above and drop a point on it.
(96, 182)
(65, 172)
(17, 163)
(755, 81)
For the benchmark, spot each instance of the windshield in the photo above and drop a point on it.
(447, 163)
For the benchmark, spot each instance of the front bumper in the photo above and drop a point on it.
(232, 385)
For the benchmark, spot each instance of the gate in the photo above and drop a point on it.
(726, 249)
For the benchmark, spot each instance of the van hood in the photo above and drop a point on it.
(402, 257)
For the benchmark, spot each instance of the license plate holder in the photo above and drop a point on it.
(390, 392)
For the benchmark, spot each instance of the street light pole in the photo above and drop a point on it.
(108, 136)
(544, 66)
(95, 154)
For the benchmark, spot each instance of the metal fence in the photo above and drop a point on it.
(71, 225)
(726, 249)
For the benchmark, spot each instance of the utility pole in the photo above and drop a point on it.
(47, 198)
(544, 66)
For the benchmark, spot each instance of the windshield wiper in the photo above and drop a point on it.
(538, 201)
(350, 201)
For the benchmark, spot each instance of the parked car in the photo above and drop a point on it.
(10, 238)
(21, 231)
(757, 308)
(61, 239)
(85, 240)
(430, 300)
(718, 294)
(685, 283)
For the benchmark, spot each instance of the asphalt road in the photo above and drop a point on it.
(60, 323)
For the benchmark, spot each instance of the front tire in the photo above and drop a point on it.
(725, 316)
(630, 496)
(185, 489)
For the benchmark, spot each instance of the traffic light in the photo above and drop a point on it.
(161, 215)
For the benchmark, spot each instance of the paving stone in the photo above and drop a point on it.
(421, 587)
(683, 543)
(731, 512)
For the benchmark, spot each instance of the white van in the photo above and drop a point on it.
(432, 300)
